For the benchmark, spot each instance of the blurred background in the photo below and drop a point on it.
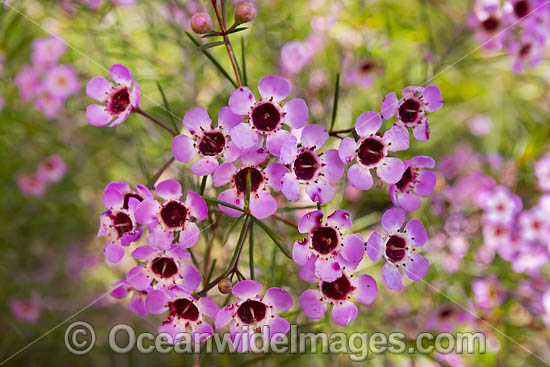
(495, 121)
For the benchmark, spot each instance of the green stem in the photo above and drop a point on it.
(251, 250)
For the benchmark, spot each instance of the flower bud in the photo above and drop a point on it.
(245, 12)
(201, 23)
(224, 286)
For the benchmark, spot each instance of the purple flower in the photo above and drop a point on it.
(49, 104)
(252, 312)
(62, 81)
(487, 22)
(447, 318)
(528, 49)
(295, 56)
(262, 204)
(502, 205)
(411, 110)
(364, 73)
(414, 182)
(487, 292)
(52, 169)
(47, 51)
(31, 185)
(338, 293)
(306, 166)
(173, 215)
(326, 251)
(266, 116)
(398, 248)
(185, 311)
(542, 171)
(372, 151)
(28, 82)
(162, 268)
(137, 303)
(534, 225)
(28, 309)
(121, 98)
(208, 142)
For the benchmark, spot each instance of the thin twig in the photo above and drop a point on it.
(227, 43)
(159, 173)
(285, 221)
(143, 113)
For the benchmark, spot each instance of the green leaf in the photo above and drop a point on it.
(167, 106)
(223, 203)
(335, 101)
(237, 30)
(245, 75)
(210, 45)
(251, 250)
(211, 58)
(203, 185)
(239, 246)
(274, 236)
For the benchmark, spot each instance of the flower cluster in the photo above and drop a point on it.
(45, 81)
(521, 27)
(257, 148)
(50, 171)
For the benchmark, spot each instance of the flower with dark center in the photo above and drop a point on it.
(256, 179)
(266, 116)
(251, 312)
(130, 195)
(411, 110)
(254, 311)
(121, 98)
(306, 165)
(521, 8)
(491, 24)
(338, 292)
(185, 309)
(415, 183)
(208, 142)
(326, 252)
(398, 248)
(164, 267)
(122, 223)
(371, 151)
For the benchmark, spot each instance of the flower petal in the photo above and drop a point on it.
(223, 317)
(393, 219)
(98, 88)
(300, 252)
(340, 219)
(228, 119)
(297, 113)
(391, 277)
(320, 191)
(422, 131)
(290, 187)
(310, 220)
(354, 247)
(263, 205)
(389, 106)
(418, 233)
(189, 236)
(196, 205)
(230, 196)
(343, 314)
(156, 301)
(277, 328)
(223, 174)
(312, 305)
(334, 168)
(366, 289)
(204, 166)
(120, 74)
(375, 246)
(432, 95)
(137, 278)
(397, 138)
(426, 183)
(190, 277)
(368, 123)
(327, 270)
(278, 298)
(98, 115)
(289, 149)
(274, 86)
(183, 148)
(241, 100)
(417, 268)
(346, 150)
(275, 142)
(113, 252)
(243, 136)
(360, 177)
(274, 173)
(246, 289)
(143, 252)
(208, 307)
(314, 136)
(406, 201)
(121, 118)
(391, 170)
(112, 199)
(196, 118)
(168, 189)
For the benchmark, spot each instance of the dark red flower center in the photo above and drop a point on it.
(521, 8)
(256, 178)
(305, 166)
(490, 24)
(266, 117)
(119, 101)
(173, 214)
(127, 199)
(251, 311)
(408, 111)
(525, 49)
(184, 309)
(324, 239)
(338, 289)
(371, 151)
(164, 267)
(446, 312)
(395, 248)
(123, 223)
(367, 66)
(212, 143)
(406, 179)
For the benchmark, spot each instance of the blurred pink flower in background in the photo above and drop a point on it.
(26, 310)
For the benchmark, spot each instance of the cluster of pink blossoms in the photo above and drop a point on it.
(522, 27)
(45, 81)
(261, 145)
(50, 171)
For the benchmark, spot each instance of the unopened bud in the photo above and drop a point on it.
(224, 286)
(245, 12)
(201, 23)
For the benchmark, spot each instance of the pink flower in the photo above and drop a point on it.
(206, 141)
(307, 167)
(27, 81)
(49, 104)
(295, 56)
(447, 318)
(480, 125)
(371, 151)
(252, 312)
(502, 205)
(326, 251)
(62, 81)
(487, 292)
(398, 248)
(542, 171)
(31, 185)
(415, 182)
(528, 49)
(364, 73)
(137, 303)
(262, 204)
(338, 293)
(411, 110)
(26, 310)
(52, 169)
(266, 116)
(121, 98)
(488, 23)
(47, 51)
